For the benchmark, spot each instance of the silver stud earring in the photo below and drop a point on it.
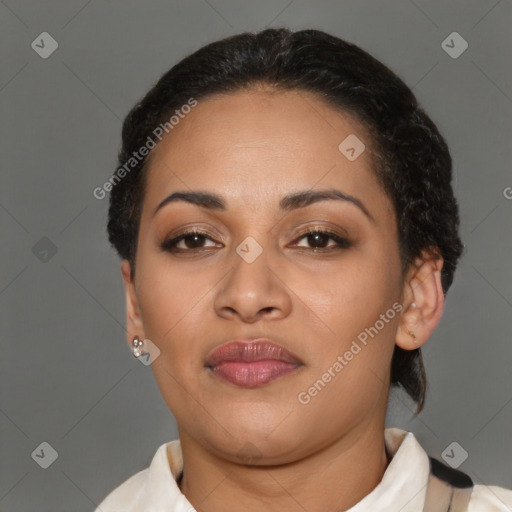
(136, 346)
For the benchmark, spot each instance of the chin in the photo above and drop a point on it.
(257, 449)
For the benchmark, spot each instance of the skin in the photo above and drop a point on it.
(252, 148)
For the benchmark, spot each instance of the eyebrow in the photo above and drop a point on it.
(289, 202)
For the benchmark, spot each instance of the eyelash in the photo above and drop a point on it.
(342, 243)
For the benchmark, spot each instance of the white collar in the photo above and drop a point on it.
(402, 487)
(404, 484)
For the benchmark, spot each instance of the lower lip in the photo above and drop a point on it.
(253, 374)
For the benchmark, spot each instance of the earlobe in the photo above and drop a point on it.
(424, 301)
(134, 325)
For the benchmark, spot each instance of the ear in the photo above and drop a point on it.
(134, 325)
(423, 301)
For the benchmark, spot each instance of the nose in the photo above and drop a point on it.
(255, 290)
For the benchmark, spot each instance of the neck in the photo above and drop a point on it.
(334, 478)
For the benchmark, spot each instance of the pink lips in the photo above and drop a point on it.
(251, 363)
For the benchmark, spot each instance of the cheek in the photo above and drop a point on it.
(360, 303)
(168, 294)
(352, 295)
(350, 375)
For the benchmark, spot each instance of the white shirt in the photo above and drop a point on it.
(402, 488)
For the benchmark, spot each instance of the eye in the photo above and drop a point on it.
(190, 241)
(318, 238)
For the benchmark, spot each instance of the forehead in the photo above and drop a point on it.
(253, 145)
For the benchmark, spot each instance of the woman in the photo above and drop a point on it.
(288, 231)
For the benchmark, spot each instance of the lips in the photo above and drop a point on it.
(251, 363)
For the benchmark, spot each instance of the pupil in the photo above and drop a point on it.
(315, 236)
(193, 244)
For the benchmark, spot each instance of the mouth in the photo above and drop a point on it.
(251, 363)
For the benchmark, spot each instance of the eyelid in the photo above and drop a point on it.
(189, 229)
(322, 225)
(342, 241)
(323, 228)
(172, 241)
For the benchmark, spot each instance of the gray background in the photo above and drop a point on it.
(67, 377)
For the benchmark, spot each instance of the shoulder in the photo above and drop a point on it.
(490, 498)
(154, 486)
(124, 497)
(480, 498)
(456, 488)
(441, 477)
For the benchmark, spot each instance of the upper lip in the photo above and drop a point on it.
(250, 350)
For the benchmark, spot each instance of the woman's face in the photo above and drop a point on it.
(255, 273)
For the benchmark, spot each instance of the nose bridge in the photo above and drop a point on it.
(253, 283)
(252, 262)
